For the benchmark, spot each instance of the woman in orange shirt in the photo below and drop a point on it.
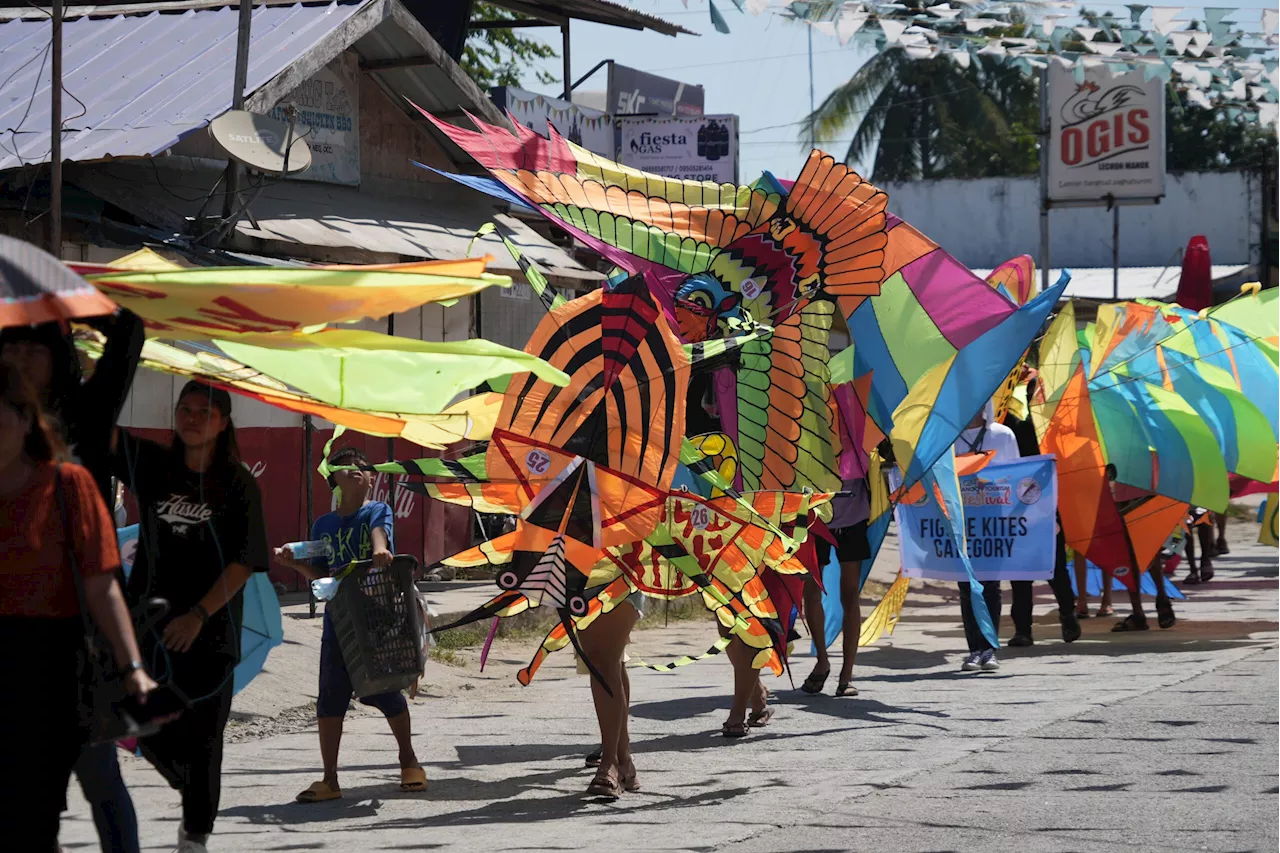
(40, 620)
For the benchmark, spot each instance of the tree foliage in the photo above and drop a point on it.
(931, 118)
(499, 57)
(1200, 140)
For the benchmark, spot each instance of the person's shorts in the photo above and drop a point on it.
(335, 683)
(852, 545)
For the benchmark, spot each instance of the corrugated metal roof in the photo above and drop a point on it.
(440, 86)
(598, 11)
(145, 80)
(313, 214)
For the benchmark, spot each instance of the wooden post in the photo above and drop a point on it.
(307, 429)
(237, 99)
(568, 65)
(1115, 250)
(1045, 148)
(55, 132)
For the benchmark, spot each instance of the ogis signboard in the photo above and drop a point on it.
(1106, 135)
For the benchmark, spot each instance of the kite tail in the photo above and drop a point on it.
(551, 298)
(943, 484)
(507, 604)
(719, 646)
(556, 639)
(582, 656)
(488, 642)
(884, 618)
(847, 214)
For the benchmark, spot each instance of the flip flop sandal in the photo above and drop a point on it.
(814, 683)
(631, 784)
(1193, 579)
(734, 730)
(1165, 617)
(593, 758)
(1106, 611)
(604, 785)
(846, 688)
(319, 792)
(1129, 623)
(413, 779)
(760, 719)
(1083, 614)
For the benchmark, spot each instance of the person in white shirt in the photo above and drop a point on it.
(984, 434)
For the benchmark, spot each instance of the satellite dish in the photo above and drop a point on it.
(260, 141)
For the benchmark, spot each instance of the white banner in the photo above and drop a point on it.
(1009, 513)
(1106, 135)
(580, 125)
(689, 149)
(329, 104)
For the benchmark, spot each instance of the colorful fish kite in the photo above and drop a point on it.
(933, 346)
(1090, 433)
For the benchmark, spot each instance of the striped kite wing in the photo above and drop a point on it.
(786, 438)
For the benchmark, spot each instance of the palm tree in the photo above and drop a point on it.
(932, 118)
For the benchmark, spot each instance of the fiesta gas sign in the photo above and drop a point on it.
(655, 143)
(1106, 136)
(686, 149)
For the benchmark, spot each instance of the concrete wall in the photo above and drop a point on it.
(985, 222)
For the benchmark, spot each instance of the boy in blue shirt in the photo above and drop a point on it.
(360, 529)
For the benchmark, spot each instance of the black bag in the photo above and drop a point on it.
(102, 689)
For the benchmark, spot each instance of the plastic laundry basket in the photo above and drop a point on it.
(375, 615)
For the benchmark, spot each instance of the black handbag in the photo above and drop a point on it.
(102, 689)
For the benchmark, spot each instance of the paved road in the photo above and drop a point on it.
(1165, 741)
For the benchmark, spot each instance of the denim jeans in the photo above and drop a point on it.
(99, 773)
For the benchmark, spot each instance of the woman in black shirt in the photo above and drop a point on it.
(202, 536)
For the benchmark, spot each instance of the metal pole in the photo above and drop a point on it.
(1115, 250)
(55, 133)
(307, 429)
(391, 442)
(237, 98)
(1045, 148)
(1267, 187)
(568, 64)
(812, 141)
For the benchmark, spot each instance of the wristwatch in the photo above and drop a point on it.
(132, 667)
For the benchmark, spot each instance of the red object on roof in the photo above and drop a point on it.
(1195, 288)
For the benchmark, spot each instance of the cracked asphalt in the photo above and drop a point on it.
(1162, 741)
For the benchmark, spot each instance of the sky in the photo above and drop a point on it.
(758, 71)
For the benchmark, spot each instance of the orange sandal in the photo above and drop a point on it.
(319, 792)
(413, 779)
